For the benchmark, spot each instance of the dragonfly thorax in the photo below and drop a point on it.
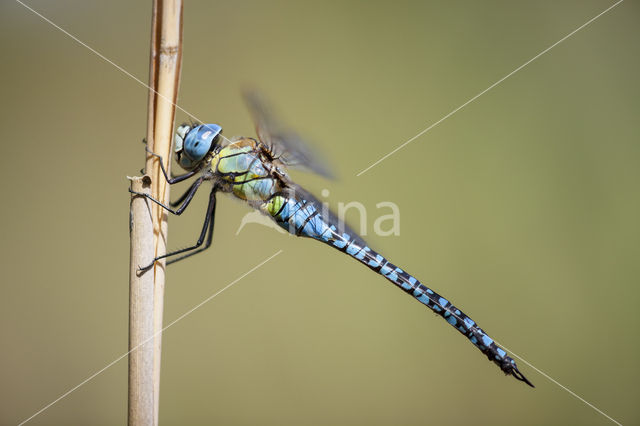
(193, 143)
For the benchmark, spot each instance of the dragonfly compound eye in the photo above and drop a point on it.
(196, 144)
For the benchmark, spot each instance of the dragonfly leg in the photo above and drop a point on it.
(207, 244)
(208, 225)
(183, 196)
(187, 197)
(170, 180)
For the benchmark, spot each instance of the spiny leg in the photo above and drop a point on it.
(183, 196)
(188, 196)
(208, 224)
(170, 180)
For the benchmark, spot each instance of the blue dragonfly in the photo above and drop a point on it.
(255, 170)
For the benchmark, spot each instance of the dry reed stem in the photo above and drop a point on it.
(140, 309)
(164, 77)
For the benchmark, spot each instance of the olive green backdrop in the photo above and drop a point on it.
(522, 209)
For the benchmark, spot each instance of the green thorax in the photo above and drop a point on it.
(245, 168)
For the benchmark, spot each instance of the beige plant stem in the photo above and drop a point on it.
(147, 289)
(140, 309)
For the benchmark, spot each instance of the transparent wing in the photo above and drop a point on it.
(283, 142)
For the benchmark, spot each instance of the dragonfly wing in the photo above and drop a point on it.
(284, 143)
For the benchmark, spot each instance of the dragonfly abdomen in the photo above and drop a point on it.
(301, 217)
(438, 304)
(296, 216)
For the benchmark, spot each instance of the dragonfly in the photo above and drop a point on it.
(255, 170)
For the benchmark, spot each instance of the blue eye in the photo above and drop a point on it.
(197, 143)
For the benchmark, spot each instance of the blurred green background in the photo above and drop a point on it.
(522, 209)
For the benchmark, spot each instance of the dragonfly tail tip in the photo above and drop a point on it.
(518, 375)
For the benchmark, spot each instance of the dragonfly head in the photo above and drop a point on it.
(193, 143)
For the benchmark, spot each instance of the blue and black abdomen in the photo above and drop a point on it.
(302, 215)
